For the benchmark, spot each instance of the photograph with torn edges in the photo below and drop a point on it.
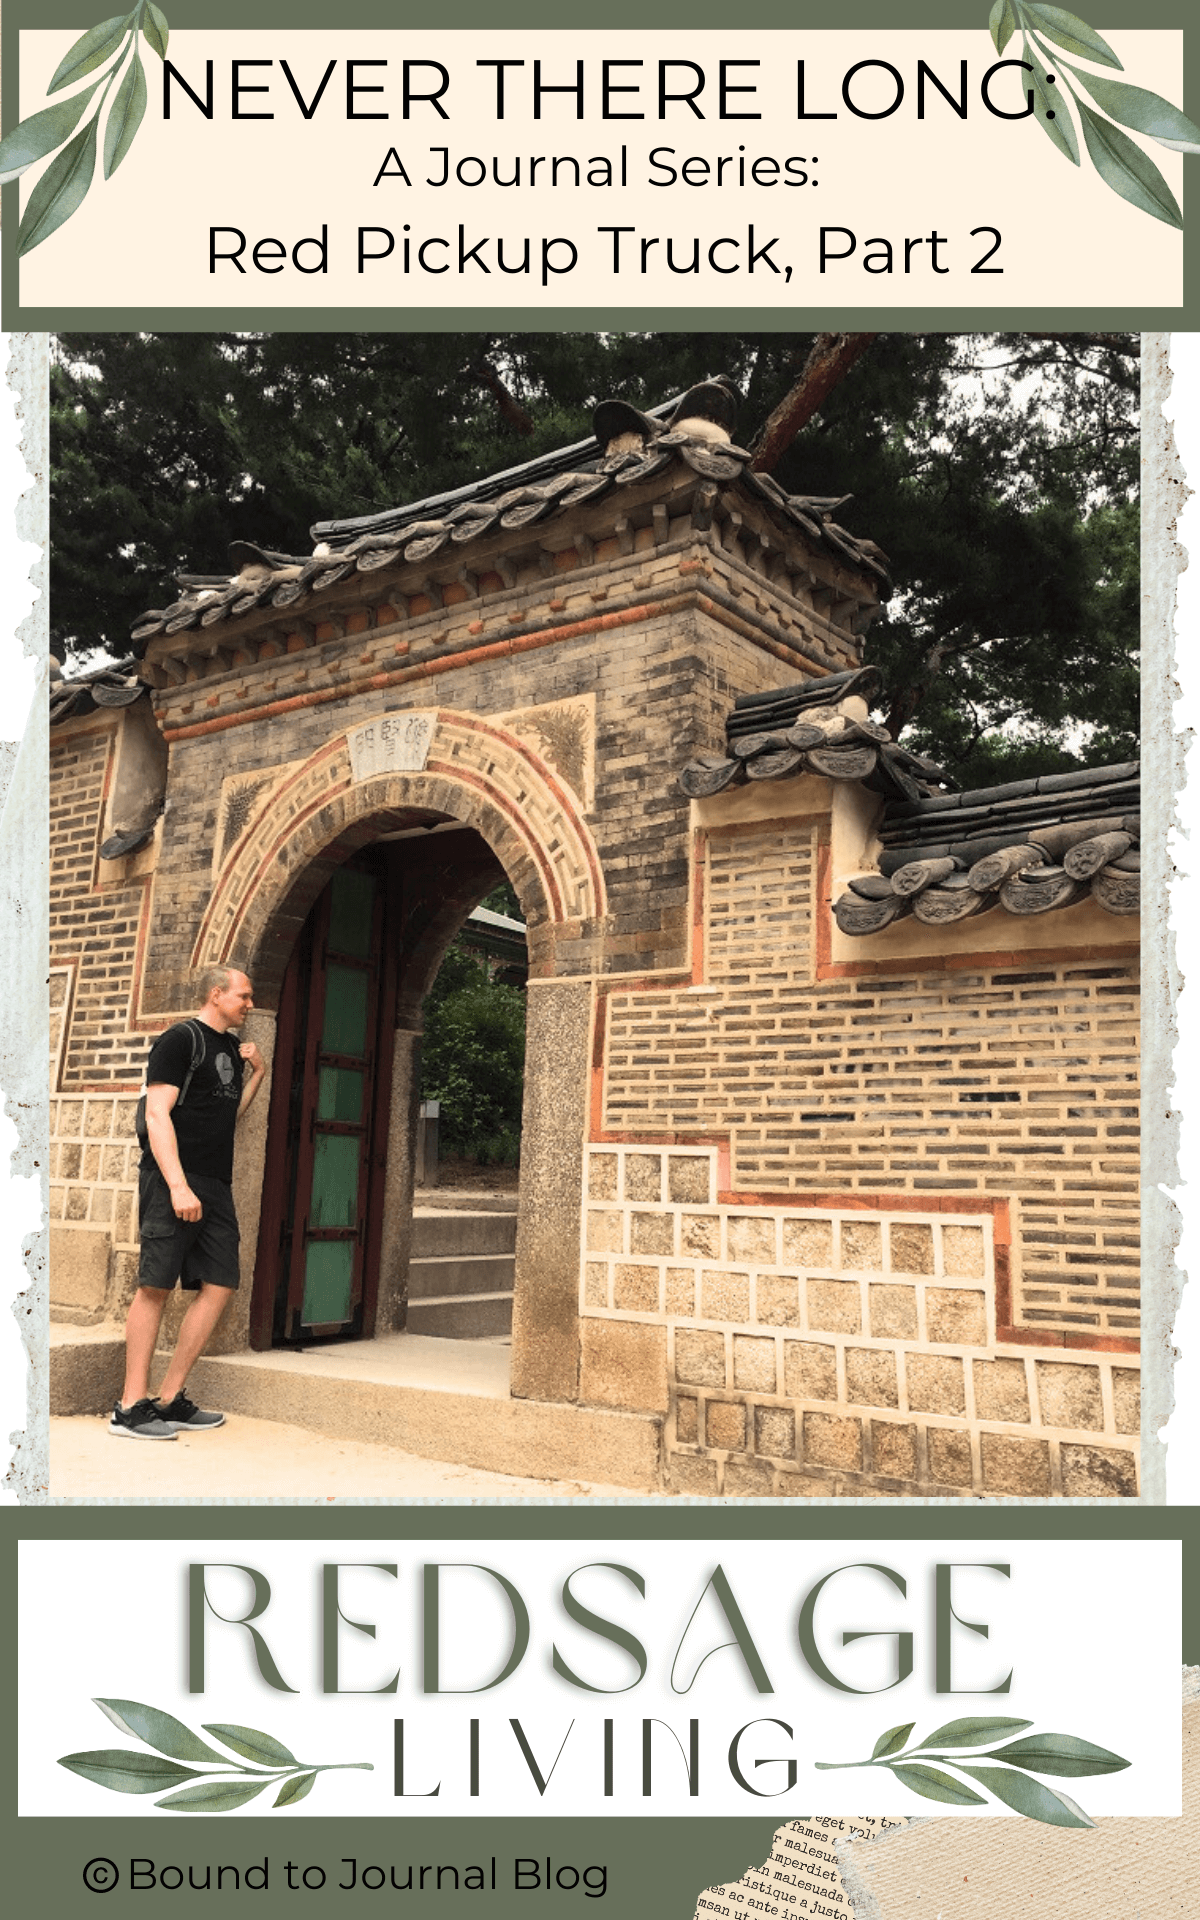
(625, 849)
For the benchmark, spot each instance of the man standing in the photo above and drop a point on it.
(195, 1090)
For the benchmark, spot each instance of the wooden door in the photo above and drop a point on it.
(317, 1274)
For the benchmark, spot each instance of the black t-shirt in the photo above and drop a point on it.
(204, 1121)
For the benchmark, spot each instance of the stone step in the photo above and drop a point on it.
(472, 1273)
(471, 1316)
(467, 1199)
(438, 1232)
(87, 1367)
(443, 1399)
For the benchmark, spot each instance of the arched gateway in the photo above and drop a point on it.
(828, 1177)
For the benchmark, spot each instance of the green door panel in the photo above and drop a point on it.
(351, 910)
(339, 1094)
(345, 1025)
(335, 1180)
(328, 1265)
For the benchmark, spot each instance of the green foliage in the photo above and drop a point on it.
(1053, 1753)
(473, 1061)
(64, 185)
(998, 472)
(128, 1770)
(1120, 163)
(503, 899)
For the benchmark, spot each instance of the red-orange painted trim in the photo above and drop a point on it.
(878, 1203)
(699, 903)
(1104, 1342)
(634, 1137)
(823, 911)
(105, 1087)
(596, 1087)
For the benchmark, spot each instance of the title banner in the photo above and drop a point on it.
(285, 170)
(630, 1678)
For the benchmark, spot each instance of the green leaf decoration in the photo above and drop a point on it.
(88, 51)
(933, 1784)
(155, 29)
(1059, 1753)
(294, 1789)
(1024, 1795)
(126, 1772)
(1127, 170)
(1051, 110)
(214, 1796)
(1146, 113)
(61, 189)
(1069, 31)
(253, 1746)
(1003, 24)
(159, 1730)
(974, 1732)
(34, 138)
(892, 1740)
(125, 115)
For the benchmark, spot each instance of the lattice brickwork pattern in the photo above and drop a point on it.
(817, 1350)
(760, 893)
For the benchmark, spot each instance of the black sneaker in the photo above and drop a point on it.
(184, 1416)
(141, 1421)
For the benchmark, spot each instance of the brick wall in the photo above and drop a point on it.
(912, 1262)
(96, 911)
(855, 1226)
(994, 1081)
(818, 1349)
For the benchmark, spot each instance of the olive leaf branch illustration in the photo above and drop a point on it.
(64, 185)
(125, 1770)
(1053, 1753)
(1118, 160)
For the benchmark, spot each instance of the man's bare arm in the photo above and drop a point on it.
(160, 1100)
(253, 1058)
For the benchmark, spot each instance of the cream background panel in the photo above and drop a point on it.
(897, 177)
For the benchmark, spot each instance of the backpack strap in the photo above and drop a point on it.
(139, 1118)
(197, 1039)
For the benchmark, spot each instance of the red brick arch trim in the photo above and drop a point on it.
(476, 771)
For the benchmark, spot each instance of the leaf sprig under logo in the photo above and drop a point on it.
(212, 1789)
(1061, 1754)
(1118, 160)
(64, 185)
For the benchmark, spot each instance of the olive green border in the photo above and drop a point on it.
(657, 1866)
(695, 16)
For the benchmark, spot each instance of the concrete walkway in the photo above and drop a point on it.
(249, 1459)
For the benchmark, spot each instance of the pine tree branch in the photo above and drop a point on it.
(830, 360)
(510, 408)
